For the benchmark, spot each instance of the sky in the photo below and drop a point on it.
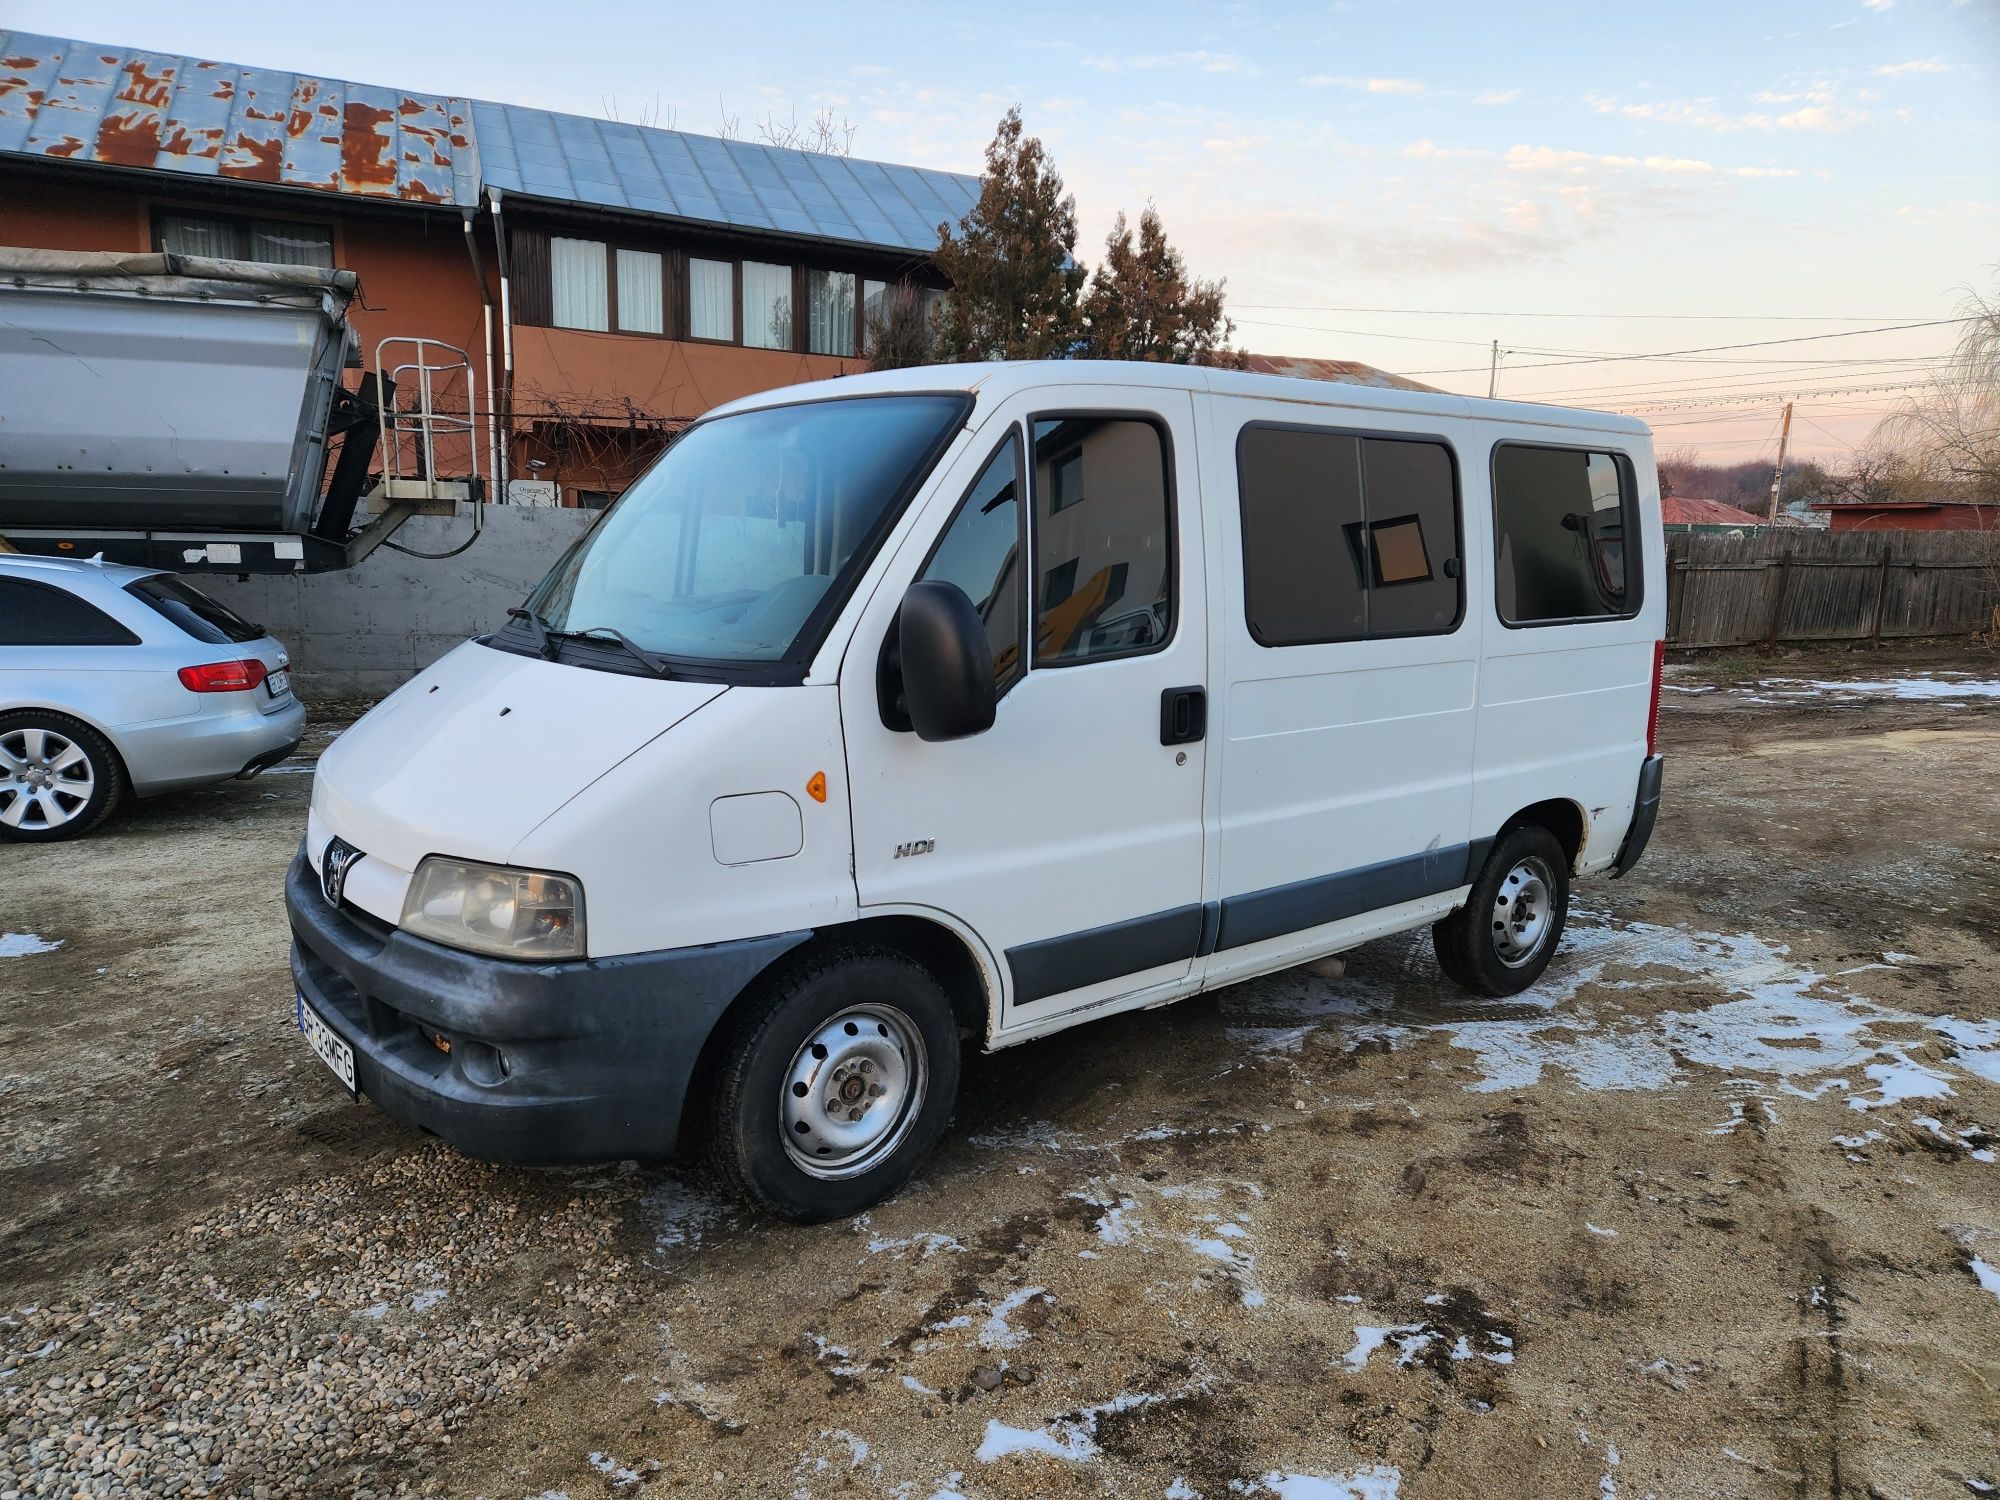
(1396, 183)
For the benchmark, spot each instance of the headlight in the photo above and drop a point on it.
(492, 909)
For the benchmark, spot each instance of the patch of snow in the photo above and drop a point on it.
(996, 1334)
(1072, 1444)
(619, 1476)
(1609, 1234)
(926, 1245)
(1922, 687)
(682, 1213)
(21, 944)
(911, 1383)
(1984, 1274)
(1372, 1482)
(425, 1300)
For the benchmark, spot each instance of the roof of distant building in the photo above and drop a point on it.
(1345, 371)
(123, 107)
(1688, 510)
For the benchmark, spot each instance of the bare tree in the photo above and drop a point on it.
(824, 132)
(1950, 429)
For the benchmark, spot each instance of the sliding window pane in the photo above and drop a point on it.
(185, 234)
(639, 305)
(712, 300)
(578, 285)
(830, 308)
(874, 307)
(767, 305)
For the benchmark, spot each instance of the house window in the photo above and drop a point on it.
(579, 296)
(830, 312)
(767, 305)
(225, 237)
(1560, 519)
(640, 278)
(712, 300)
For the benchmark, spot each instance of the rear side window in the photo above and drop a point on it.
(36, 614)
(1103, 550)
(1561, 517)
(1347, 536)
(193, 611)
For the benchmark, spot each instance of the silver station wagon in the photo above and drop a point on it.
(117, 680)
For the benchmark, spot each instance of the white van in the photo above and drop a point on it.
(978, 702)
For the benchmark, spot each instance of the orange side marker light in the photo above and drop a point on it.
(816, 788)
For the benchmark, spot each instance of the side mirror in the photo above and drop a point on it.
(946, 663)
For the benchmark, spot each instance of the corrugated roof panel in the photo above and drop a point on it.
(27, 68)
(312, 132)
(254, 148)
(122, 107)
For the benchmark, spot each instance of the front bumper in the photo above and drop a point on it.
(1645, 812)
(584, 1061)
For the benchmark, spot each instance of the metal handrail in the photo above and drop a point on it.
(425, 422)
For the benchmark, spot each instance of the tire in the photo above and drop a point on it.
(58, 777)
(887, 1055)
(1499, 942)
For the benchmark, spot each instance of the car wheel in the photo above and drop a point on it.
(1499, 942)
(58, 778)
(837, 1083)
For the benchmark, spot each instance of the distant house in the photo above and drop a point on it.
(1686, 513)
(1341, 371)
(1927, 513)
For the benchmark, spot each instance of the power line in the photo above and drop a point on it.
(1803, 338)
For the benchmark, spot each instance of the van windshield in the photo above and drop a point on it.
(726, 549)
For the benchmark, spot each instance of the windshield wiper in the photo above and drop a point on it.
(544, 638)
(633, 649)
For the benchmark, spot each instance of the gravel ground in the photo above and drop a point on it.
(1712, 1211)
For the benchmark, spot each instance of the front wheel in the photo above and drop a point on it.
(837, 1084)
(1499, 942)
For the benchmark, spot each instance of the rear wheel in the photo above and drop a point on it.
(1499, 942)
(837, 1084)
(58, 778)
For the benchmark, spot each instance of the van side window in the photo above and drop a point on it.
(1346, 537)
(1560, 519)
(980, 551)
(1103, 550)
(34, 614)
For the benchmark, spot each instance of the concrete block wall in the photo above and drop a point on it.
(366, 631)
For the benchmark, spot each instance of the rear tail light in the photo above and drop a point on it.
(223, 676)
(1653, 708)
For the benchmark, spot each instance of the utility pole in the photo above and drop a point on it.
(1493, 372)
(1778, 474)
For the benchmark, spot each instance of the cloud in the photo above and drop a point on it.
(869, 70)
(1915, 65)
(1144, 62)
(1497, 96)
(1878, 5)
(1549, 159)
(1365, 85)
(1819, 112)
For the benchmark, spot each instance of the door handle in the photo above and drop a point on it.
(1183, 715)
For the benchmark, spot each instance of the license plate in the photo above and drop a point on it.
(332, 1051)
(279, 682)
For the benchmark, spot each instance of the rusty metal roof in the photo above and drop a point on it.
(118, 106)
(1691, 510)
(122, 107)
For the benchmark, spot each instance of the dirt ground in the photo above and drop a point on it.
(1712, 1211)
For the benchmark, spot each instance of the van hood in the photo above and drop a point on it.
(472, 754)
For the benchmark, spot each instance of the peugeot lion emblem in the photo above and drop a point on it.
(340, 857)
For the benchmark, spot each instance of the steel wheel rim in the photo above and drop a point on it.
(853, 1091)
(1523, 912)
(46, 779)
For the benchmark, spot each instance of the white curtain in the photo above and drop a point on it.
(767, 305)
(711, 300)
(874, 304)
(639, 303)
(579, 293)
(830, 310)
(291, 245)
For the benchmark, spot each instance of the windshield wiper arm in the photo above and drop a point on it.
(632, 648)
(544, 638)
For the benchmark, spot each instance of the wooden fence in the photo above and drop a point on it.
(1782, 584)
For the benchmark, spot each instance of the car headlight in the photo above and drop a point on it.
(491, 909)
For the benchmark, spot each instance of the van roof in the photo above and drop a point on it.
(1001, 379)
